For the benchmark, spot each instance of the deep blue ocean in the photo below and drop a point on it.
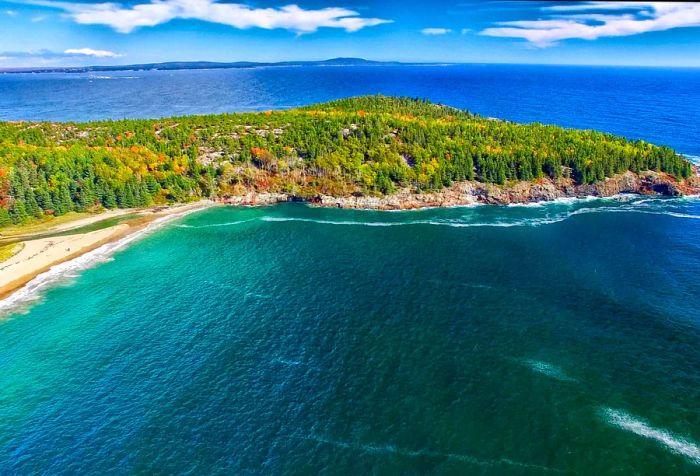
(559, 338)
(658, 105)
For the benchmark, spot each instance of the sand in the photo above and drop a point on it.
(39, 255)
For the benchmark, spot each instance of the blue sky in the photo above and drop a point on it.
(53, 32)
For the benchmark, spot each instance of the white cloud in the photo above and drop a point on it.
(619, 19)
(38, 18)
(435, 31)
(464, 31)
(126, 18)
(91, 52)
(10, 13)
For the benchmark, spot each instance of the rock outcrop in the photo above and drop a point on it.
(468, 193)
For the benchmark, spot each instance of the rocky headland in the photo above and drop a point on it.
(472, 192)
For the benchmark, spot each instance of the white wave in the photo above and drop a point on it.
(559, 201)
(682, 215)
(640, 210)
(333, 222)
(213, 225)
(693, 158)
(392, 450)
(61, 272)
(451, 223)
(676, 444)
(549, 370)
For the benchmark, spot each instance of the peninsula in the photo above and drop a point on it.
(368, 152)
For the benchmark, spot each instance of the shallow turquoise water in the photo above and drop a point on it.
(560, 338)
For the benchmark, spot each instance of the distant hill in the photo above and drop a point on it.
(176, 65)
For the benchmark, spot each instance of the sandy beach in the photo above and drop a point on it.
(39, 255)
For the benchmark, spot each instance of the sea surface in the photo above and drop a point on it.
(657, 105)
(559, 338)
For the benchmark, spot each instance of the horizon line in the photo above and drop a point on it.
(242, 64)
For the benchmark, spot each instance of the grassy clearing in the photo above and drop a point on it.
(8, 251)
(42, 225)
(98, 225)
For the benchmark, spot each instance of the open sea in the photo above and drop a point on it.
(559, 338)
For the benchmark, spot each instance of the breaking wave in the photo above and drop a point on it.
(62, 272)
(518, 215)
(676, 444)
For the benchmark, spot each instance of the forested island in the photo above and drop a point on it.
(371, 152)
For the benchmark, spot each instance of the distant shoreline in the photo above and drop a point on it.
(209, 65)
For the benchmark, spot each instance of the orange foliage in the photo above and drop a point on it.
(257, 151)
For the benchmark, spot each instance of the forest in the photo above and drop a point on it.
(366, 145)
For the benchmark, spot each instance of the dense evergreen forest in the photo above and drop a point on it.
(370, 145)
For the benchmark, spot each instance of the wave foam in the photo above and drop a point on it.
(455, 224)
(693, 158)
(678, 445)
(61, 272)
(214, 225)
(549, 370)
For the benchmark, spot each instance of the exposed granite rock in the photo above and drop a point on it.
(255, 199)
(468, 193)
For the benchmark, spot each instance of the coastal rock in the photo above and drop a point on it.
(469, 193)
(255, 199)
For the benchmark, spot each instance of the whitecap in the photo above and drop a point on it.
(675, 444)
(548, 369)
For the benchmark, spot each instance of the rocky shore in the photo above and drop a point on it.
(466, 193)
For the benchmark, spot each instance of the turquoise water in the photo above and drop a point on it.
(550, 339)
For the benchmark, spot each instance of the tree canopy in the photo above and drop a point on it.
(370, 145)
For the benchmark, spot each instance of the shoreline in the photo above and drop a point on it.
(471, 193)
(40, 255)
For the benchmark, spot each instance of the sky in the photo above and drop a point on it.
(75, 33)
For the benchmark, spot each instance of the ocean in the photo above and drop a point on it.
(559, 338)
